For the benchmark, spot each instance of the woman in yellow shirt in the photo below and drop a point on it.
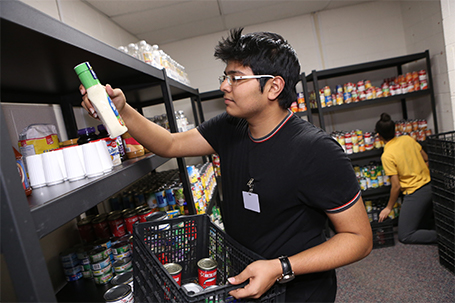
(406, 163)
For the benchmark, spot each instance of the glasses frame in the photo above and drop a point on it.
(233, 79)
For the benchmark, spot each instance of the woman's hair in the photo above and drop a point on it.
(266, 54)
(386, 127)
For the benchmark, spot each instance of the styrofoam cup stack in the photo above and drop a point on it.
(93, 166)
(35, 171)
(61, 163)
(52, 170)
(74, 165)
(105, 156)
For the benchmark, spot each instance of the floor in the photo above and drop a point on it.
(400, 273)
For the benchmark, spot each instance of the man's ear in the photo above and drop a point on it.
(275, 88)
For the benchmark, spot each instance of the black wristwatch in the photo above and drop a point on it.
(288, 274)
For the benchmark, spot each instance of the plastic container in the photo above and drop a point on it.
(188, 240)
(103, 104)
(383, 235)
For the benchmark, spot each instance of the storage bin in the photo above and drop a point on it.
(383, 234)
(441, 156)
(186, 240)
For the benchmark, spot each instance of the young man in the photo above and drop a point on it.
(282, 176)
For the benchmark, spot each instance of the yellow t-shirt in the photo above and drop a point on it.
(402, 157)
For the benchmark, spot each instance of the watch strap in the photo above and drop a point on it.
(286, 265)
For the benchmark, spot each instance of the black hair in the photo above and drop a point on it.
(266, 54)
(386, 127)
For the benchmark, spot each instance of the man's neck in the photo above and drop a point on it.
(262, 126)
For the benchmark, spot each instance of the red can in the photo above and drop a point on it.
(86, 230)
(144, 213)
(175, 270)
(116, 225)
(101, 227)
(130, 218)
(207, 269)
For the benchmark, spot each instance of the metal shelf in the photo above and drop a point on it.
(63, 202)
(396, 62)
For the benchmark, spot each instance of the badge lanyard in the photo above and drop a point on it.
(251, 199)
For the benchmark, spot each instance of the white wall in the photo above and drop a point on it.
(448, 22)
(331, 39)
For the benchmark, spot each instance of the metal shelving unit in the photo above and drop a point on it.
(397, 63)
(37, 58)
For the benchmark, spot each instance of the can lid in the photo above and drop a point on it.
(86, 74)
(173, 268)
(117, 292)
(123, 278)
(207, 264)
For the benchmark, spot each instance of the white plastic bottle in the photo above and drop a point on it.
(103, 104)
(145, 50)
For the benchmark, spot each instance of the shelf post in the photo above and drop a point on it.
(180, 161)
(19, 240)
(430, 86)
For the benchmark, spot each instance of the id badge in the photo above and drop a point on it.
(251, 201)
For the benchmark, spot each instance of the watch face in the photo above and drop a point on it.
(286, 278)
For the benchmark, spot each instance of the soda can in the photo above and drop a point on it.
(207, 269)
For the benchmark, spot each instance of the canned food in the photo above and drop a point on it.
(207, 269)
(101, 227)
(73, 270)
(143, 213)
(123, 278)
(116, 225)
(119, 294)
(102, 271)
(121, 248)
(98, 254)
(101, 264)
(122, 265)
(68, 255)
(86, 230)
(74, 277)
(103, 279)
(175, 270)
(130, 218)
(192, 288)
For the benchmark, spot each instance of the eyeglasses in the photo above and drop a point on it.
(233, 79)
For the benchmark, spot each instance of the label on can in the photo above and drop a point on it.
(112, 147)
(175, 270)
(207, 269)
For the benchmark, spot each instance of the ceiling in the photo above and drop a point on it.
(164, 21)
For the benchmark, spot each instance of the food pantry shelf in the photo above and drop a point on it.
(54, 205)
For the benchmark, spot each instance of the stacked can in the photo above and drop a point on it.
(100, 260)
(122, 255)
(84, 260)
(71, 266)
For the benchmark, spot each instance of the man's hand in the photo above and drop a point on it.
(262, 275)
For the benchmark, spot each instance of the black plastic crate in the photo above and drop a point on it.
(185, 240)
(446, 257)
(383, 235)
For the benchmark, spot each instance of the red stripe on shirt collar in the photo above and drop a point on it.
(263, 139)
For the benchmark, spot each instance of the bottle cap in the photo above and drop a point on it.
(86, 74)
